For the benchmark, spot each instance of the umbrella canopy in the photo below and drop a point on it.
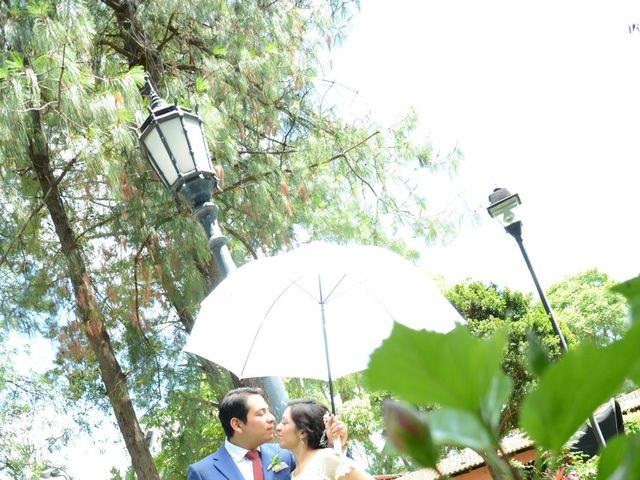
(317, 307)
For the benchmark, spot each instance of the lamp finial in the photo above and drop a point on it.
(156, 101)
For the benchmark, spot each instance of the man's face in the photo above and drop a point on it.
(258, 428)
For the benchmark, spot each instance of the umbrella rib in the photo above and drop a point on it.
(381, 303)
(255, 337)
(361, 282)
(295, 282)
(350, 288)
(326, 299)
(364, 285)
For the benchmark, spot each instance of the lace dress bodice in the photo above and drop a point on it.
(327, 464)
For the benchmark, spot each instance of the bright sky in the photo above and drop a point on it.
(542, 97)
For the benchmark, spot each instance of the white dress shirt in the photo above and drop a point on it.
(238, 455)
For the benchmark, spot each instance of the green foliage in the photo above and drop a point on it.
(489, 309)
(631, 291)
(632, 422)
(537, 355)
(576, 465)
(587, 306)
(567, 392)
(187, 426)
(593, 374)
(469, 385)
(620, 459)
(470, 390)
(476, 301)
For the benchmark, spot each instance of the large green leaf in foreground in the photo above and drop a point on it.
(454, 370)
(450, 426)
(620, 460)
(571, 389)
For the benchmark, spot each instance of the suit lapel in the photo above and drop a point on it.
(223, 462)
(267, 452)
(265, 457)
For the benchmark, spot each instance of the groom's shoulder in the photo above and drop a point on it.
(205, 463)
(273, 448)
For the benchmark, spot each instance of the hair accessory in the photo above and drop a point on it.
(323, 439)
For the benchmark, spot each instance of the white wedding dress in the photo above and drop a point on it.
(327, 464)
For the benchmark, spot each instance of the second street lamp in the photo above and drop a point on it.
(173, 142)
(501, 208)
(503, 202)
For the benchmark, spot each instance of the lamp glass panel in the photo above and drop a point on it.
(196, 136)
(503, 206)
(507, 218)
(175, 136)
(160, 157)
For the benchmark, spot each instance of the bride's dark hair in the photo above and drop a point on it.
(308, 415)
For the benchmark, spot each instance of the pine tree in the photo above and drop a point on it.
(97, 256)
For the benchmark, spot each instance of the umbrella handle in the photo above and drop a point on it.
(337, 441)
(337, 445)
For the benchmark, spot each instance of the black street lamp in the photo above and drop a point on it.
(503, 202)
(173, 142)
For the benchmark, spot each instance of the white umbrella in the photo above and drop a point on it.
(315, 312)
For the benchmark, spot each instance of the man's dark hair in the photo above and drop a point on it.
(308, 415)
(234, 404)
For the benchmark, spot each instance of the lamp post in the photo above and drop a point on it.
(503, 202)
(173, 142)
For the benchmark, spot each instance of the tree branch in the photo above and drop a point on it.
(35, 211)
(266, 152)
(353, 170)
(167, 36)
(114, 47)
(242, 240)
(253, 178)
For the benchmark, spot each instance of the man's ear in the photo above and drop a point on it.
(236, 425)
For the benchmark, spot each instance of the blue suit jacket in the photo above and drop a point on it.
(220, 466)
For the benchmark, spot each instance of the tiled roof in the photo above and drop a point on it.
(468, 459)
(630, 401)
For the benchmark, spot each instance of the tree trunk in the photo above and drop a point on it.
(88, 310)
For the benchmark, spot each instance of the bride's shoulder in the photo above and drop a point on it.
(329, 453)
(336, 464)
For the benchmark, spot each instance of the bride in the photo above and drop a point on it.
(303, 431)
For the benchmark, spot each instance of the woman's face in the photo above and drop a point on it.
(287, 432)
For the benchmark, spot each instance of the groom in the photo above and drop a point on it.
(249, 426)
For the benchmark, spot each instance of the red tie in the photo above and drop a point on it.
(254, 456)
